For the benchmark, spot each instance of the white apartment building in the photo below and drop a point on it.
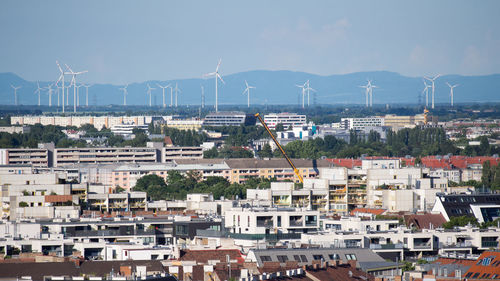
(98, 121)
(271, 220)
(361, 123)
(126, 129)
(222, 118)
(171, 153)
(286, 119)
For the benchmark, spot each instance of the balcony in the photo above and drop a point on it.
(467, 244)
(108, 232)
(386, 246)
(267, 237)
(422, 246)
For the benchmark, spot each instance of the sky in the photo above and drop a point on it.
(134, 41)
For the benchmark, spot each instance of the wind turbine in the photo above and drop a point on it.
(367, 92)
(73, 81)
(87, 86)
(49, 92)
(15, 93)
(308, 89)
(247, 91)
(451, 91)
(177, 91)
(149, 93)
(432, 86)
(217, 76)
(163, 90)
(61, 78)
(125, 93)
(303, 87)
(38, 91)
(426, 91)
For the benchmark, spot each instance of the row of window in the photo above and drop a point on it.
(303, 258)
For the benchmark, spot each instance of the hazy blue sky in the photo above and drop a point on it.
(128, 41)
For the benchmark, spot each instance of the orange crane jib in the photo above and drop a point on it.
(295, 170)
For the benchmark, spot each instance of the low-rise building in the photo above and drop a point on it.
(288, 120)
(224, 119)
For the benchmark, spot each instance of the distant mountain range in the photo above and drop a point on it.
(274, 87)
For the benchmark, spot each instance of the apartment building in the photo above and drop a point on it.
(15, 129)
(104, 155)
(97, 121)
(398, 122)
(171, 153)
(262, 221)
(38, 157)
(286, 119)
(184, 124)
(126, 176)
(361, 123)
(222, 118)
(244, 169)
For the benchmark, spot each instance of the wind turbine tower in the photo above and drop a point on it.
(303, 87)
(371, 92)
(149, 93)
(247, 91)
(38, 91)
(125, 93)
(367, 92)
(177, 91)
(451, 91)
(61, 78)
(217, 76)
(163, 90)
(426, 91)
(432, 80)
(202, 97)
(15, 93)
(49, 92)
(87, 86)
(78, 94)
(309, 89)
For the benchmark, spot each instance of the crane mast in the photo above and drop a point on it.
(295, 170)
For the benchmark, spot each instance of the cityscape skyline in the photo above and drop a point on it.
(325, 39)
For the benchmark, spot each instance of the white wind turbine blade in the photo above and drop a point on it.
(246, 83)
(437, 76)
(59, 66)
(220, 77)
(209, 74)
(218, 65)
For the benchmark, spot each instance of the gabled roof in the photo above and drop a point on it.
(425, 221)
(486, 267)
(203, 256)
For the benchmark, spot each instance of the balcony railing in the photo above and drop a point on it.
(422, 246)
(109, 232)
(268, 237)
(489, 244)
(386, 246)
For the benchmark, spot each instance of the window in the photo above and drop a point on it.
(350, 257)
(334, 256)
(318, 257)
(475, 275)
(303, 258)
(282, 259)
(265, 258)
(296, 258)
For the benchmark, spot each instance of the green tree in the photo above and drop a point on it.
(460, 221)
(266, 151)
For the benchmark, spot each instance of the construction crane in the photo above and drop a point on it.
(295, 170)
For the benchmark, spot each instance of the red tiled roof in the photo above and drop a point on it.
(464, 262)
(375, 212)
(424, 221)
(488, 263)
(203, 256)
(347, 163)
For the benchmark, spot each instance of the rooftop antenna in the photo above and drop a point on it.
(163, 90)
(125, 93)
(15, 93)
(38, 91)
(217, 76)
(87, 94)
(247, 91)
(303, 87)
(451, 91)
(432, 80)
(149, 93)
(73, 81)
